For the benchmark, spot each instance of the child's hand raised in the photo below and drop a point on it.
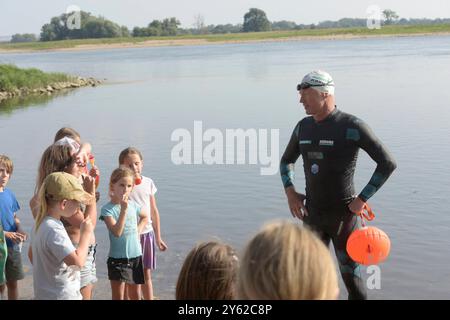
(89, 184)
(124, 202)
(94, 172)
(86, 226)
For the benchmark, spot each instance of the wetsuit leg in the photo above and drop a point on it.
(315, 222)
(350, 270)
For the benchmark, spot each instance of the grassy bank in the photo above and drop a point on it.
(16, 83)
(234, 37)
(13, 78)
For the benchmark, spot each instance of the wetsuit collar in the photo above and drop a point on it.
(331, 116)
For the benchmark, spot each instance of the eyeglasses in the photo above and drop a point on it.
(306, 85)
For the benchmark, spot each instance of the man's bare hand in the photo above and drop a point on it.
(296, 203)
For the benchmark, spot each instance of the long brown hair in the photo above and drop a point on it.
(55, 158)
(208, 272)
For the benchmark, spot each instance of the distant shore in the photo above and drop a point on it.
(256, 37)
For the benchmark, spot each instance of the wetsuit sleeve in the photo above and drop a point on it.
(386, 164)
(289, 158)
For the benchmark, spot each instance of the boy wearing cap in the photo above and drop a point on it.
(13, 232)
(328, 141)
(56, 262)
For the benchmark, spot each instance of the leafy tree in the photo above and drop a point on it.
(283, 25)
(124, 32)
(26, 37)
(226, 28)
(390, 17)
(167, 27)
(90, 27)
(170, 26)
(255, 20)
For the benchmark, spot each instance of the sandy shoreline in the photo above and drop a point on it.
(102, 290)
(198, 42)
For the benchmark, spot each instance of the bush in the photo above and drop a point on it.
(12, 77)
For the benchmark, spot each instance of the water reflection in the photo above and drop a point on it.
(8, 106)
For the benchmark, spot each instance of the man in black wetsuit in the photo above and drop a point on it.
(328, 141)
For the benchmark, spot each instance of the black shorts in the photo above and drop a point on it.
(130, 271)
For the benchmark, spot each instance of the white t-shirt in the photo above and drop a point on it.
(141, 195)
(52, 278)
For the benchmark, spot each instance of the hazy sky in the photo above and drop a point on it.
(20, 16)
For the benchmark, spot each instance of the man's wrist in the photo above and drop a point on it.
(360, 198)
(289, 190)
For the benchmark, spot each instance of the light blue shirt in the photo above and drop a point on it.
(128, 244)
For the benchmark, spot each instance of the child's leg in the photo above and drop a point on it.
(89, 274)
(13, 292)
(117, 289)
(13, 272)
(126, 295)
(86, 292)
(147, 288)
(148, 244)
(2, 291)
(133, 291)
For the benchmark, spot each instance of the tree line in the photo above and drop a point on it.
(255, 20)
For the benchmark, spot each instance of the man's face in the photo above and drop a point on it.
(312, 100)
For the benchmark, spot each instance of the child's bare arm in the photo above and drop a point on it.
(143, 220)
(156, 223)
(91, 208)
(19, 228)
(34, 206)
(116, 227)
(91, 212)
(78, 257)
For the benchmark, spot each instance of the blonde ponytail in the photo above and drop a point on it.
(43, 206)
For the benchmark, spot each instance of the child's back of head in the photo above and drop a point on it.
(287, 262)
(209, 272)
(67, 132)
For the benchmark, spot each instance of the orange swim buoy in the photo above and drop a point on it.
(368, 245)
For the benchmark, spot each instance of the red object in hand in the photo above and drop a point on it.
(97, 181)
(92, 160)
(137, 181)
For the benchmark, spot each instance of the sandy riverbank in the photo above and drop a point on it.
(197, 42)
(102, 290)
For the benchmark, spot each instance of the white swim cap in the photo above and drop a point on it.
(318, 80)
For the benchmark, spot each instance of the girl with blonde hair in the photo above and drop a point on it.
(287, 262)
(209, 272)
(124, 219)
(56, 262)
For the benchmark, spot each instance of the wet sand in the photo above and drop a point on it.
(102, 290)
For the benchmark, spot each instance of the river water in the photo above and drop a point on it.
(399, 86)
